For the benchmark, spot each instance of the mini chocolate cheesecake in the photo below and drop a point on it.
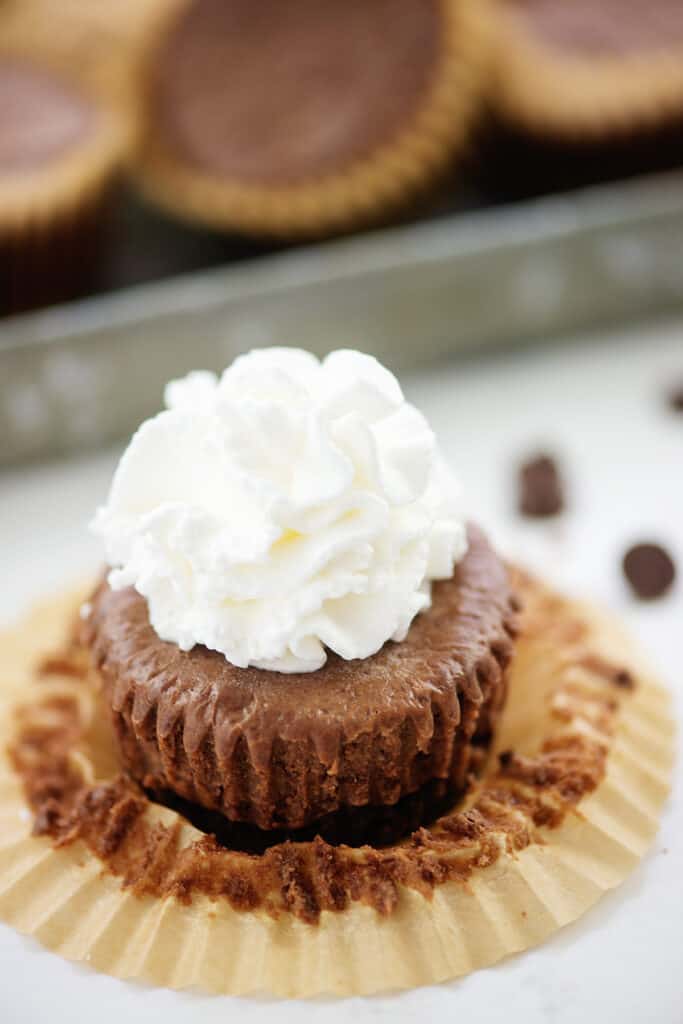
(300, 118)
(281, 750)
(41, 118)
(59, 153)
(615, 29)
(582, 69)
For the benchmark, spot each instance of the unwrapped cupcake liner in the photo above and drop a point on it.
(562, 685)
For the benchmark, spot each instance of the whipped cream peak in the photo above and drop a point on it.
(289, 507)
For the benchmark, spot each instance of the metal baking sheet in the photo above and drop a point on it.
(83, 374)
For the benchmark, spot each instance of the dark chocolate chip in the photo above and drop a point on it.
(622, 677)
(540, 487)
(676, 398)
(649, 569)
(505, 757)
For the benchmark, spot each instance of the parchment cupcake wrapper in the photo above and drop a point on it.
(63, 898)
(562, 95)
(367, 189)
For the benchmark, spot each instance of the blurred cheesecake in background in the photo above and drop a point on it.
(68, 123)
(579, 70)
(60, 151)
(306, 119)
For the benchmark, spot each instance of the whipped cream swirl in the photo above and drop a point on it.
(287, 508)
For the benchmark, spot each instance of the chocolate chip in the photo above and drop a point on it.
(676, 398)
(649, 569)
(603, 667)
(622, 677)
(505, 757)
(540, 487)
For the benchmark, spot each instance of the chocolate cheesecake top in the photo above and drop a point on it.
(41, 117)
(605, 28)
(276, 93)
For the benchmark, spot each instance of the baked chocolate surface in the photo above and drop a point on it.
(277, 93)
(604, 28)
(283, 750)
(41, 117)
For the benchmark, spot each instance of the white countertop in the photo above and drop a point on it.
(599, 405)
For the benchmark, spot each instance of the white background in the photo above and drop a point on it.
(599, 405)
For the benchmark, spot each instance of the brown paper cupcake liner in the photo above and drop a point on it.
(550, 93)
(366, 190)
(563, 813)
